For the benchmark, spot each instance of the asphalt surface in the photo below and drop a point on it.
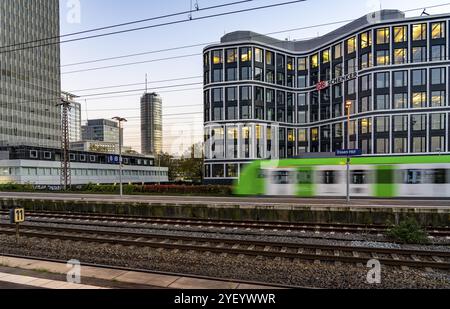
(243, 201)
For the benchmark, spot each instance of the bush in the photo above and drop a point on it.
(408, 231)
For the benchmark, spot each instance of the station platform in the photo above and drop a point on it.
(51, 275)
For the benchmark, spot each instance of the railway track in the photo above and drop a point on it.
(107, 220)
(315, 252)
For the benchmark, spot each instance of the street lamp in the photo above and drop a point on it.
(348, 106)
(120, 120)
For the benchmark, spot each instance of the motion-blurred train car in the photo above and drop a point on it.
(379, 177)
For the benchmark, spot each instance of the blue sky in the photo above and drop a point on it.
(182, 130)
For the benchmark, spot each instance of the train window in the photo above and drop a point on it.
(304, 177)
(329, 177)
(413, 177)
(261, 174)
(359, 177)
(440, 176)
(281, 178)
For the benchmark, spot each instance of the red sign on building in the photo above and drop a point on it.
(322, 85)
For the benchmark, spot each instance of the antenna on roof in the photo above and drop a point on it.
(424, 12)
(146, 83)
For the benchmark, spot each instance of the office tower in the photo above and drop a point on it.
(151, 124)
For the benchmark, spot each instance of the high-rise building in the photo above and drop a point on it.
(273, 99)
(74, 118)
(151, 124)
(103, 130)
(30, 78)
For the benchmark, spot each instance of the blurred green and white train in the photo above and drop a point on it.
(380, 177)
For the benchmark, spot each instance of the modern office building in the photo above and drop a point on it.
(151, 124)
(103, 130)
(42, 167)
(268, 99)
(30, 78)
(74, 114)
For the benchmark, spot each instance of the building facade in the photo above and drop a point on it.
(151, 124)
(271, 99)
(74, 115)
(30, 78)
(102, 130)
(42, 167)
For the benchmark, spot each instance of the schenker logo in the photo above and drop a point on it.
(325, 84)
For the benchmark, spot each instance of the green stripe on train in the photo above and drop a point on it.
(305, 186)
(384, 181)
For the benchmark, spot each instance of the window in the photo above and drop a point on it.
(437, 98)
(217, 57)
(258, 74)
(232, 113)
(82, 158)
(217, 113)
(231, 74)
(438, 30)
(246, 93)
(419, 99)
(329, 177)
(400, 123)
(359, 177)
(246, 54)
(382, 145)
(366, 61)
(400, 79)
(270, 76)
(438, 122)
(217, 75)
(33, 154)
(382, 124)
(400, 34)
(419, 122)
(351, 65)
(419, 144)
(246, 73)
(301, 81)
(365, 104)
(301, 64)
(437, 144)
(269, 58)
(382, 80)
(382, 102)
(337, 51)
(438, 53)
(419, 77)
(383, 36)
(400, 56)
(383, 57)
(258, 55)
(419, 54)
(419, 32)
(438, 76)
(366, 82)
(231, 94)
(351, 45)
(217, 95)
(290, 63)
(314, 61)
(400, 100)
(246, 112)
(366, 39)
(231, 55)
(326, 56)
(400, 145)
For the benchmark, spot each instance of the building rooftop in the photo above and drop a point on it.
(311, 44)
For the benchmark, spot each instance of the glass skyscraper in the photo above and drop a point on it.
(151, 124)
(29, 78)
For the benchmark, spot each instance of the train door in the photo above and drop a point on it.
(305, 182)
(360, 182)
(281, 182)
(384, 186)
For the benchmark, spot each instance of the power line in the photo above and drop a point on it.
(134, 95)
(127, 23)
(157, 25)
(131, 63)
(136, 84)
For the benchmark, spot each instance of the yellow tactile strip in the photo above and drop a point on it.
(154, 280)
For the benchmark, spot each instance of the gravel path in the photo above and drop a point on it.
(280, 271)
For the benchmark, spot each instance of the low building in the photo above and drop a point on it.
(95, 146)
(42, 166)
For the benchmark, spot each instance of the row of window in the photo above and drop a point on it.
(33, 171)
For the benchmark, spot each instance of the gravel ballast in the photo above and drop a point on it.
(278, 271)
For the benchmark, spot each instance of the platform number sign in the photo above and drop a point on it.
(17, 215)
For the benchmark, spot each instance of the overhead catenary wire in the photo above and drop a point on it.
(127, 23)
(154, 26)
